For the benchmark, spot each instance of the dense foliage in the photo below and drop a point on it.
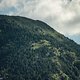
(32, 50)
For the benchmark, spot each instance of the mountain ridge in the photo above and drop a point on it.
(32, 50)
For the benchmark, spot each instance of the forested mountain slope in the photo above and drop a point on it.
(32, 50)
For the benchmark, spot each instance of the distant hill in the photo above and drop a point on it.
(32, 50)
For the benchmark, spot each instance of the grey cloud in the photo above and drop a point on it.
(1, 1)
(75, 21)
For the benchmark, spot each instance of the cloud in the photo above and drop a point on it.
(7, 4)
(62, 15)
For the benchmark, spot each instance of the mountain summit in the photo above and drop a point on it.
(32, 50)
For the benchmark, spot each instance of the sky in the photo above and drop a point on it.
(62, 15)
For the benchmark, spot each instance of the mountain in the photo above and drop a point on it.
(32, 50)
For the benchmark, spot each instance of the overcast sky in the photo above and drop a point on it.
(62, 15)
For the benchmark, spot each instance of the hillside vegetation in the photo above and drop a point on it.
(32, 50)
